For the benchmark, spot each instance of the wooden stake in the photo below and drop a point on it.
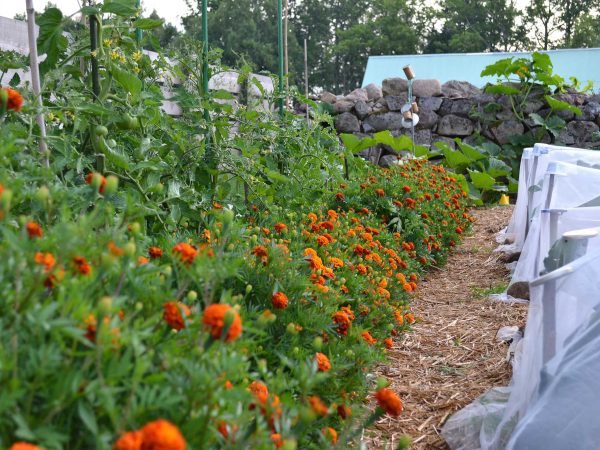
(35, 79)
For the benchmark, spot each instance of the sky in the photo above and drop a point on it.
(171, 10)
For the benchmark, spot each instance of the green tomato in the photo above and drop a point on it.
(100, 130)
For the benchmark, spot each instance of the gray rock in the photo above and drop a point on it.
(452, 125)
(564, 114)
(396, 102)
(532, 106)
(347, 123)
(566, 138)
(593, 98)
(328, 97)
(426, 88)
(379, 107)
(573, 98)
(506, 129)
(459, 89)
(431, 103)
(462, 107)
(423, 137)
(484, 98)
(519, 289)
(505, 101)
(436, 138)
(581, 131)
(373, 91)
(357, 94)
(361, 108)
(427, 118)
(385, 121)
(394, 86)
(505, 114)
(589, 111)
(446, 107)
(388, 160)
(342, 106)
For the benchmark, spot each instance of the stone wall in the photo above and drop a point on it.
(455, 109)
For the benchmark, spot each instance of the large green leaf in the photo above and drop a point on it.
(542, 62)
(455, 158)
(147, 24)
(501, 89)
(471, 152)
(123, 8)
(481, 180)
(51, 40)
(499, 68)
(356, 144)
(559, 104)
(497, 168)
(129, 81)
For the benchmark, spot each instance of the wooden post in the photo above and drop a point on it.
(35, 79)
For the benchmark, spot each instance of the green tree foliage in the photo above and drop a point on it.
(477, 26)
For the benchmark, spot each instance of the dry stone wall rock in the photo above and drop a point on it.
(458, 109)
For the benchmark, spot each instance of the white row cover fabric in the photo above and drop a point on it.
(534, 165)
(552, 406)
(565, 187)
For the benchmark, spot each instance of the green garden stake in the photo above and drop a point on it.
(94, 57)
(209, 157)
(138, 31)
(280, 44)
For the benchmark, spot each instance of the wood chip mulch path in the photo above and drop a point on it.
(452, 356)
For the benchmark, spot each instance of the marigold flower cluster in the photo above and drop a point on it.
(157, 435)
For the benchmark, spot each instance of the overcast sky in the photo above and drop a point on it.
(171, 10)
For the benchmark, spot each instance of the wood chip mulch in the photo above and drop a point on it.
(453, 355)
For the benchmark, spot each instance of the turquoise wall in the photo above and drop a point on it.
(583, 63)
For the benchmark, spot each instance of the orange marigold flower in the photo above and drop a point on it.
(131, 440)
(114, 249)
(323, 362)
(217, 205)
(344, 411)
(259, 391)
(259, 251)
(368, 338)
(45, 259)
(162, 435)
(277, 440)
(34, 230)
(407, 287)
(406, 189)
(82, 266)
(399, 317)
(340, 197)
(389, 402)
(155, 252)
(280, 227)
(380, 192)
(344, 289)
(389, 343)
(410, 318)
(330, 434)
(322, 241)
(361, 268)
(318, 406)
(142, 260)
(312, 217)
(172, 314)
(343, 322)
(279, 300)
(337, 262)
(23, 446)
(214, 319)
(186, 252)
(14, 101)
(332, 214)
(327, 225)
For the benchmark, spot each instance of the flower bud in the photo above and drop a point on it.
(106, 304)
(129, 249)
(317, 343)
(192, 296)
(42, 195)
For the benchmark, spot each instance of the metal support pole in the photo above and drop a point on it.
(138, 31)
(94, 56)
(35, 79)
(285, 50)
(280, 45)
(208, 153)
(306, 78)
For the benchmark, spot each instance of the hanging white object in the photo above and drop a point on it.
(35, 78)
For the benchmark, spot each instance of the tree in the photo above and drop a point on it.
(164, 35)
(477, 26)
